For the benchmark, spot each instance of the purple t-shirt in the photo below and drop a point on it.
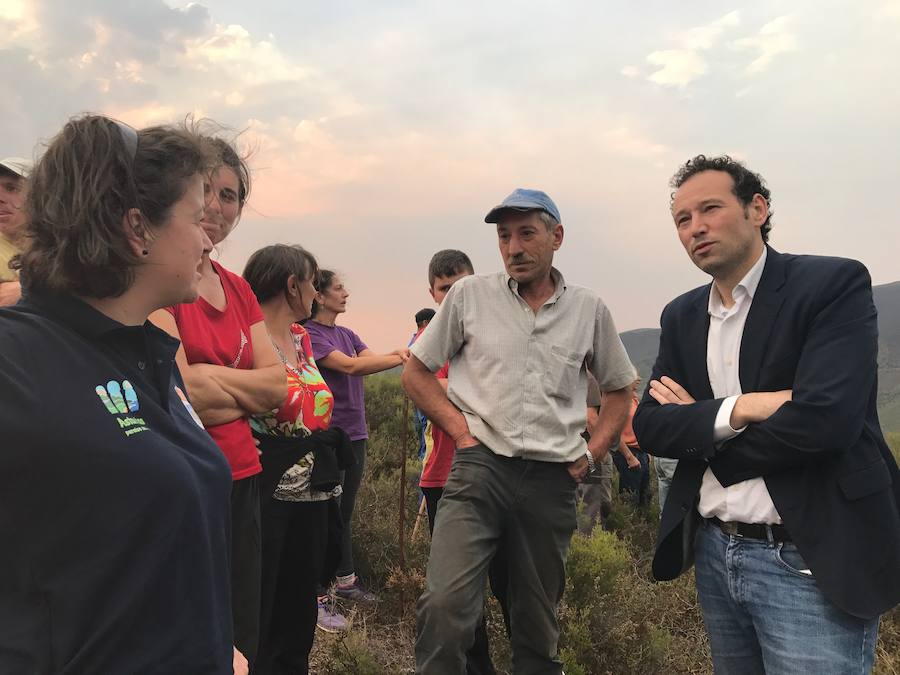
(349, 403)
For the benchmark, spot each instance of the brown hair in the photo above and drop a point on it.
(268, 269)
(324, 279)
(229, 157)
(81, 190)
(448, 263)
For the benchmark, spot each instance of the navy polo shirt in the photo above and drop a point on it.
(114, 501)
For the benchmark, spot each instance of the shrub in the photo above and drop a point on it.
(614, 618)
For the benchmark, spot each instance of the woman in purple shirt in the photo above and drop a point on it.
(343, 359)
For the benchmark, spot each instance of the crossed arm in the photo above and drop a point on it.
(220, 394)
(823, 412)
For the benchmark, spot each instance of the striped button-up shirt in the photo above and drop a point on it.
(518, 376)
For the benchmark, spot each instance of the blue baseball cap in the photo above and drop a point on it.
(523, 199)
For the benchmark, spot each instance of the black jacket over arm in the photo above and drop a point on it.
(812, 328)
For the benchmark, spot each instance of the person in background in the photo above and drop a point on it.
(596, 489)
(665, 472)
(114, 502)
(343, 359)
(422, 318)
(632, 463)
(445, 269)
(296, 512)
(231, 371)
(13, 191)
(420, 422)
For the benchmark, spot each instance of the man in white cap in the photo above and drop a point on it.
(520, 345)
(13, 186)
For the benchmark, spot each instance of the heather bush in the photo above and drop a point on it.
(615, 620)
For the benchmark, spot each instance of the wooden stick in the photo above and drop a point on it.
(422, 507)
(402, 515)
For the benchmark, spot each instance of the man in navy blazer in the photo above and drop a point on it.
(786, 496)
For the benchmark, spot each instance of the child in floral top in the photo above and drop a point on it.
(295, 519)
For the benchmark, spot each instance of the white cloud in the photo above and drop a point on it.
(630, 71)
(706, 36)
(625, 141)
(679, 67)
(235, 99)
(17, 19)
(252, 61)
(889, 10)
(773, 39)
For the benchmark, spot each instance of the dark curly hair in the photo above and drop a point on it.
(745, 183)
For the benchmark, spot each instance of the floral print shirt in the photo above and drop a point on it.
(306, 409)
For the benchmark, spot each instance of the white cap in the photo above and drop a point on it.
(17, 165)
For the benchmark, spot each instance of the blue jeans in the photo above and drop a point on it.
(634, 483)
(665, 470)
(764, 614)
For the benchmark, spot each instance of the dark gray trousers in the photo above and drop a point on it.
(530, 507)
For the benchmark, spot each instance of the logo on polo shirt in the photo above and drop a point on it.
(121, 399)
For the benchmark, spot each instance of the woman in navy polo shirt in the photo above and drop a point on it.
(114, 502)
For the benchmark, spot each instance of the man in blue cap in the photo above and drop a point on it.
(520, 345)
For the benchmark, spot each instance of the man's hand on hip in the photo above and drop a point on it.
(466, 440)
(579, 469)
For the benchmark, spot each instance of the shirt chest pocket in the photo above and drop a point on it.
(561, 371)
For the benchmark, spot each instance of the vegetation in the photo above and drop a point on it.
(615, 619)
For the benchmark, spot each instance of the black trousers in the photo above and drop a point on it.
(295, 540)
(245, 564)
(478, 658)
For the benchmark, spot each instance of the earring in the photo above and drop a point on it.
(145, 252)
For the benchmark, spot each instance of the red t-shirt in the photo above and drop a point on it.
(223, 339)
(439, 449)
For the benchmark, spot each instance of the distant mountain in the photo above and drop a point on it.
(643, 344)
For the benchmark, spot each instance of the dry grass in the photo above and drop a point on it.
(635, 626)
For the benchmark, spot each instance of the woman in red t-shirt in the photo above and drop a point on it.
(231, 371)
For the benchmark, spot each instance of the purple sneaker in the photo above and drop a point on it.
(355, 592)
(329, 619)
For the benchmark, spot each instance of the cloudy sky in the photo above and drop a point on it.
(384, 131)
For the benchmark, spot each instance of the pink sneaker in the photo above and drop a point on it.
(355, 592)
(329, 619)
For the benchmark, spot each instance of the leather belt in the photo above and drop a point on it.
(752, 530)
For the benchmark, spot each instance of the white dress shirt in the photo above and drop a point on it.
(748, 501)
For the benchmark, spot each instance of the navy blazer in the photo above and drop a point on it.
(812, 328)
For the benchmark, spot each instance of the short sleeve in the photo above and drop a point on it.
(357, 342)
(593, 392)
(609, 361)
(322, 344)
(253, 310)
